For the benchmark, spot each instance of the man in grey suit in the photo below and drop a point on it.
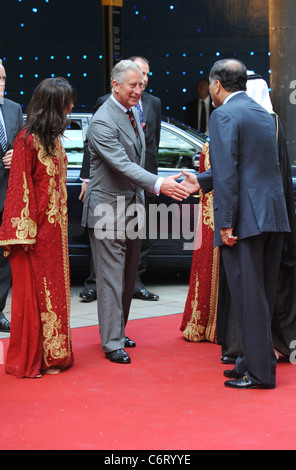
(11, 119)
(250, 216)
(117, 181)
(150, 115)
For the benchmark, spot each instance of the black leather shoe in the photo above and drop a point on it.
(231, 374)
(143, 294)
(129, 343)
(88, 295)
(119, 356)
(227, 360)
(4, 324)
(244, 384)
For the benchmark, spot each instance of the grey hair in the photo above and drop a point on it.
(120, 70)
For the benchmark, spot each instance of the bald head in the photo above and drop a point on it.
(231, 73)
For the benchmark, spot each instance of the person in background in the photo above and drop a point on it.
(34, 233)
(199, 320)
(199, 110)
(11, 120)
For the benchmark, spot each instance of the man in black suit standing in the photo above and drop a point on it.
(149, 108)
(199, 110)
(250, 216)
(11, 119)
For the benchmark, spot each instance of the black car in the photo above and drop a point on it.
(172, 227)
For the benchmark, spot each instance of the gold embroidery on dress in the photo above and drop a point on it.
(212, 320)
(194, 331)
(206, 152)
(57, 213)
(25, 225)
(208, 211)
(57, 207)
(54, 342)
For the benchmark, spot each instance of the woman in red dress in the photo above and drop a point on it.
(199, 322)
(34, 233)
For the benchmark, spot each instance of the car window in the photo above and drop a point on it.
(73, 143)
(175, 151)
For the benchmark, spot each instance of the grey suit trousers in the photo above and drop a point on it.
(116, 265)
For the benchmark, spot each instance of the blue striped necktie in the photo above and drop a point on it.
(3, 141)
(139, 108)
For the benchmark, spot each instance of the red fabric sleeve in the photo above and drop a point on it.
(19, 225)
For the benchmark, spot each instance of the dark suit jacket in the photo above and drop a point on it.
(152, 117)
(13, 120)
(245, 172)
(191, 113)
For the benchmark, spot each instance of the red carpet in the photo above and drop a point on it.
(171, 397)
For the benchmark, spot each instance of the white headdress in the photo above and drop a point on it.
(257, 89)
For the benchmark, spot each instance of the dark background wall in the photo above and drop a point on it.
(181, 38)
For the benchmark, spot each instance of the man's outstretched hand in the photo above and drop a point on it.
(171, 188)
(190, 183)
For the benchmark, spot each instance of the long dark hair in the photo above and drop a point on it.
(47, 110)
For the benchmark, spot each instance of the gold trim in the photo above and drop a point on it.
(212, 320)
(25, 225)
(57, 211)
(57, 207)
(54, 341)
(193, 331)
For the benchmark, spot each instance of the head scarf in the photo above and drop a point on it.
(258, 90)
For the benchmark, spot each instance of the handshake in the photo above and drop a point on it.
(180, 191)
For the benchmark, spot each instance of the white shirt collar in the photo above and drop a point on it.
(231, 96)
(205, 100)
(119, 104)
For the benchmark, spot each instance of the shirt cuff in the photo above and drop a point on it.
(156, 189)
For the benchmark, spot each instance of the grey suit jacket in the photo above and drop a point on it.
(13, 120)
(117, 160)
(245, 172)
(152, 117)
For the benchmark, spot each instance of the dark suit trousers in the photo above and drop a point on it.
(116, 264)
(5, 276)
(252, 267)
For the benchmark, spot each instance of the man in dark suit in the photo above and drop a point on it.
(11, 119)
(199, 110)
(149, 108)
(250, 216)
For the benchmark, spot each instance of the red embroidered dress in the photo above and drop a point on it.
(199, 320)
(35, 217)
